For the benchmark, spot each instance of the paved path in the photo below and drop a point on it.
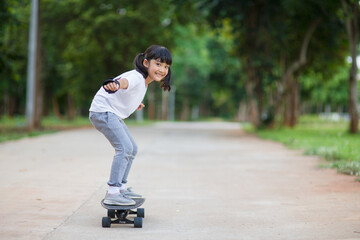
(201, 180)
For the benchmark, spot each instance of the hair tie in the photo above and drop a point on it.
(143, 55)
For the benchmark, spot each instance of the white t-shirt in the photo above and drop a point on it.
(123, 102)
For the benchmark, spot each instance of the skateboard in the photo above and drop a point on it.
(118, 214)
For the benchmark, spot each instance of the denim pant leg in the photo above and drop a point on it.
(110, 125)
(132, 155)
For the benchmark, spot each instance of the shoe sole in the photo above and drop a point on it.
(109, 202)
(133, 197)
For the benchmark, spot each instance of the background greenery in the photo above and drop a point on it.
(231, 59)
(227, 54)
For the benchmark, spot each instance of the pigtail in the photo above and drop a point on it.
(165, 83)
(138, 63)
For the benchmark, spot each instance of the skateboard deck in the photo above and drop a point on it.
(118, 214)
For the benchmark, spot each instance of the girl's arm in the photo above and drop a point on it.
(113, 85)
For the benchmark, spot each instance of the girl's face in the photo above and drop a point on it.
(157, 70)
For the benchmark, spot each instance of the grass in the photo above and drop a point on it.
(15, 128)
(325, 138)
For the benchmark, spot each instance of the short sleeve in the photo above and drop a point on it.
(133, 78)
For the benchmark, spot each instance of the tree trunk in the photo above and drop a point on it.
(260, 98)
(351, 11)
(39, 97)
(252, 103)
(288, 102)
(164, 105)
(292, 104)
(253, 44)
(34, 94)
(185, 111)
(56, 108)
(71, 107)
(151, 103)
(296, 103)
(9, 105)
(241, 115)
(288, 75)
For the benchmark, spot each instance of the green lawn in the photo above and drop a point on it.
(325, 138)
(15, 128)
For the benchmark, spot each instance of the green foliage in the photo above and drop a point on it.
(226, 83)
(13, 48)
(268, 38)
(333, 91)
(191, 63)
(204, 71)
(214, 44)
(98, 40)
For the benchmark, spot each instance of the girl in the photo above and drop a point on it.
(116, 100)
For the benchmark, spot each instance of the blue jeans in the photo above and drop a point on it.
(116, 131)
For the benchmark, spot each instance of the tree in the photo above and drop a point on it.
(34, 99)
(272, 55)
(190, 67)
(83, 45)
(276, 42)
(351, 14)
(225, 81)
(294, 49)
(14, 19)
(250, 20)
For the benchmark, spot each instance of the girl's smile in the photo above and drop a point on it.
(157, 70)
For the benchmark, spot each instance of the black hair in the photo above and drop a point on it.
(155, 52)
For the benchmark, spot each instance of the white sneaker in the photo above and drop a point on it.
(130, 194)
(118, 199)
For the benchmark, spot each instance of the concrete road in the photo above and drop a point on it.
(201, 181)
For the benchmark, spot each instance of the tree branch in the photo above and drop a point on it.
(303, 52)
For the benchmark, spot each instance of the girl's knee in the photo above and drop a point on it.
(129, 149)
(134, 150)
(123, 150)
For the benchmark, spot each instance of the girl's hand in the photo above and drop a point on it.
(112, 86)
(141, 106)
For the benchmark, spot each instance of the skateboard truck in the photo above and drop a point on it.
(119, 214)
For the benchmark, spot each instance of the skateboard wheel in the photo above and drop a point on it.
(141, 212)
(138, 222)
(111, 213)
(106, 222)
